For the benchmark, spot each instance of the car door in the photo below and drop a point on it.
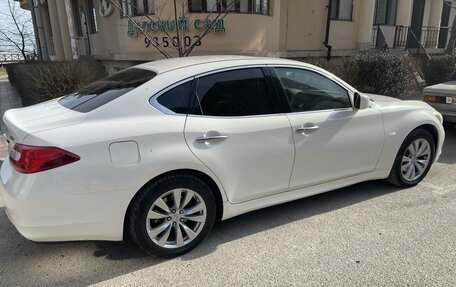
(333, 140)
(237, 130)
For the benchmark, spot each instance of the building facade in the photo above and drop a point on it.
(71, 29)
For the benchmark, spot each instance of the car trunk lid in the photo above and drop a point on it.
(44, 116)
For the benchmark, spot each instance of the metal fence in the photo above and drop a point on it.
(11, 58)
(430, 37)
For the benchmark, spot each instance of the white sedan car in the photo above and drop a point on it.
(161, 151)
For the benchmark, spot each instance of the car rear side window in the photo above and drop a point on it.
(177, 98)
(310, 91)
(107, 89)
(241, 92)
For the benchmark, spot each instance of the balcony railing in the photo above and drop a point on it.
(11, 58)
(80, 47)
(374, 36)
(401, 37)
(379, 40)
(431, 37)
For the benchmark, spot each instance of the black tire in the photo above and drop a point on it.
(136, 218)
(395, 177)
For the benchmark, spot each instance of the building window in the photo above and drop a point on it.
(137, 7)
(385, 12)
(77, 19)
(341, 9)
(92, 17)
(260, 7)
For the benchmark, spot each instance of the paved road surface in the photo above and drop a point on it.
(368, 234)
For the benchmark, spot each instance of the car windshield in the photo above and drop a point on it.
(105, 90)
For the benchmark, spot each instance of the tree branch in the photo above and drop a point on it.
(156, 45)
(214, 22)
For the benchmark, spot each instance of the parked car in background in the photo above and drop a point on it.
(161, 151)
(443, 98)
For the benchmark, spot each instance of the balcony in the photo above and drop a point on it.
(404, 37)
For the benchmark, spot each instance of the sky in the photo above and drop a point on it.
(7, 26)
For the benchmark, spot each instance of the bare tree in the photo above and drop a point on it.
(16, 31)
(452, 41)
(181, 17)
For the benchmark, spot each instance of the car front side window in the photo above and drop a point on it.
(242, 92)
(310, 91)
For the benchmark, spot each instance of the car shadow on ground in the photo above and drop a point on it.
(268, 218)
(84, 263)
(113, 259)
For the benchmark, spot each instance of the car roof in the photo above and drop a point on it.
(163, 66)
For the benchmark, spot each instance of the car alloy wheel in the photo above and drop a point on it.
(415, 160)
(176, 218)
(171, 215)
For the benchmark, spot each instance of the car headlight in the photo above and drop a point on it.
(439, 116)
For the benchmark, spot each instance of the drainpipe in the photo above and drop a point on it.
(328, 27)
(35, 31)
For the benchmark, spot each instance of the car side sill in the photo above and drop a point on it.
(231, 210)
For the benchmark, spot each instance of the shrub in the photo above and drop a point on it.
(38, 82)
(336, 65)
(376, 72)
(441, 68)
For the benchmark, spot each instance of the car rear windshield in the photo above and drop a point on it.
(105, 90)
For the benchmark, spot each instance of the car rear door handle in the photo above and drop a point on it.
(307, 129)
(205, 138)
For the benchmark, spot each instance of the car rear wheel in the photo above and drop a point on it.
(413, 160)
(172, 215)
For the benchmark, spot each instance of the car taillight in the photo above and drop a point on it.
(31, 159)
(430, 99)
(434, 99)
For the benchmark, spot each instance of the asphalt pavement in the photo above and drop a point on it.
(370, 234)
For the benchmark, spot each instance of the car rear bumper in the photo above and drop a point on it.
(41, 210)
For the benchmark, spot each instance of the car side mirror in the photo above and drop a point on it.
(361, 101)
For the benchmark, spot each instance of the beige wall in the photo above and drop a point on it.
(105, 41)
(259, 33)
(404, 12)
(435, 13)
(295, 28)
(306, 24)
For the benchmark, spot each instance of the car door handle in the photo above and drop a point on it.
(204, 139)
(307, 129)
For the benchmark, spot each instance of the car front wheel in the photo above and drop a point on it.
(172, 215)
(413, 160)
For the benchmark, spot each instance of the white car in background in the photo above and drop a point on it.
(443, 98)
(162, 150)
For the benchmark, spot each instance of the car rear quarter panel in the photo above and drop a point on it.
(101, 191)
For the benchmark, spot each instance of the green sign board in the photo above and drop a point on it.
(172, 25)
